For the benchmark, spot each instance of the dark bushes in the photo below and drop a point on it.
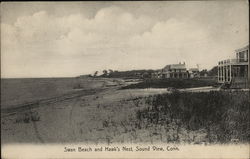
(224, 115)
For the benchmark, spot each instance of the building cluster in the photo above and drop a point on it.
(235, 72)
(174, 71)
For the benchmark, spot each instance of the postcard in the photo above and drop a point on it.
(125, 79)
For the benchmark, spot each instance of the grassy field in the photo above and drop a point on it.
(222, 116)
(175, 83)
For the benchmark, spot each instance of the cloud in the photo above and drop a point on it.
(47, 39)
(43, 44)
(170, 34)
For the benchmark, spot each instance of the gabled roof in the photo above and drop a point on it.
(193, 69)
(175, 66)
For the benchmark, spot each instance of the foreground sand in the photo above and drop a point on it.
(106, 116)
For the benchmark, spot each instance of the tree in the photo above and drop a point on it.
(110, 71)
(105, 72)
(213, 71)
(203, 72)
(95, 74)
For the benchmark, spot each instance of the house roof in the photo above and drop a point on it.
(175, 66)
(193, 69)
(242, 49)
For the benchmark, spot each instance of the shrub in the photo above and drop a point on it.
(224, 115)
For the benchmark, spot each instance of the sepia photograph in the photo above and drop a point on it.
(125, 79)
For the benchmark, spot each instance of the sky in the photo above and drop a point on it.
(65, 39)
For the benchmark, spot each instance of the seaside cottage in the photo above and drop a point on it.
(175, 71)
(235, 72)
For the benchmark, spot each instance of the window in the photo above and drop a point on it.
(242, 56)
(246, 55)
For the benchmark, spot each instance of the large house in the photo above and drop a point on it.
(236, 72)
(175, 71)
